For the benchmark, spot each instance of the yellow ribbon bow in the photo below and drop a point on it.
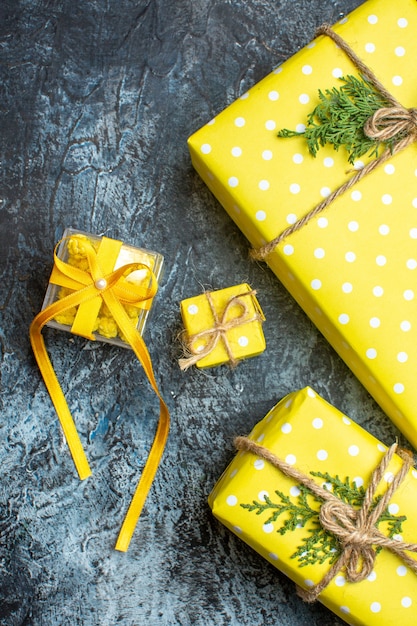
(90, 288)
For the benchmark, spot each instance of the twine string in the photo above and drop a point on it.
(386, 123)
(356, 529)
(390, 122)
(219, 330)
(365, 70)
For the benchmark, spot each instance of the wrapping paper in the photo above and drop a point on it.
(353, 267)
(245, 338)
(313, 436)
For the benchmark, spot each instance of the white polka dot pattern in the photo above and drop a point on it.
(312, 436)
(352, 268)
(244, 340)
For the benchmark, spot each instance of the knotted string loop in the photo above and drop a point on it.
(219, 330)
(387, 123)
(390, 122)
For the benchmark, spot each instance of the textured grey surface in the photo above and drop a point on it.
(97, 100)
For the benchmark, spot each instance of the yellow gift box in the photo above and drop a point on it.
(279, 517)
(112, 254)
(222, 326)
(352, 267)
(102, 289)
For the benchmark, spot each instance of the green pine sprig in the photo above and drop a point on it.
(318, 546)
(345, 490)
(297, 514)
(339, 119)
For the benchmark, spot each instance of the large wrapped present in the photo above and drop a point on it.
(102, 289)
(330, 506)
(337, 225)
(222, 326)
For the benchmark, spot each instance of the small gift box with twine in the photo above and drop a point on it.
(102, 289)
(221, 326)
(317, 166)
(330, 506)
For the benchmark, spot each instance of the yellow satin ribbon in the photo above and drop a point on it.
(91, 288)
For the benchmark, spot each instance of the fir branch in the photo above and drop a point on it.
(345, 490)
(394, 523)
(298, 515)
(339, 119)
(318, 546)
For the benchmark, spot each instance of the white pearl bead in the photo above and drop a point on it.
(101, 283)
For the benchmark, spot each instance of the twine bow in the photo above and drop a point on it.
(387, 123)
(355, 529)
(219, 330)
(390, 122)
(91, 288)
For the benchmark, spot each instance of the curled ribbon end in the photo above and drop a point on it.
(80, 462)
(121, 546)
(85, 474)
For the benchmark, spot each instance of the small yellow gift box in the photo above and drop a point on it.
(222, 326)
(111, 254)
(102, 289)
(352, 266)
(327, 503)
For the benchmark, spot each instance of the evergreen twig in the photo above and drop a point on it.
(339, 119)
(318, 546)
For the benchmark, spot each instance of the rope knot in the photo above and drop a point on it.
(390, 122)
(387, 123)
(351, 530)
(221, 326)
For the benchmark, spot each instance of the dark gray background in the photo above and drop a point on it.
(97, 101)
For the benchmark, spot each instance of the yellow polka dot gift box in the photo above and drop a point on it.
(338, 226)
(328, 505)
(223, 326)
